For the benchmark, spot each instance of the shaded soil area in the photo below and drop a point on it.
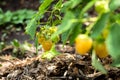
(14, 5)
(21, 36)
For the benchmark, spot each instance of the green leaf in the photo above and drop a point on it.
(113, 44)
(74, 33)
(87, 7)
(44, 5)
(97, 64)
(66, 35)
(116, 62)
(65, 25)
(71, 33)
(115, 18)
(7, 16)
(71, 4)
(58, 5)
(1, 11)
(2, 45)
(36, 45)
(50, 54)
(99, 25)
(15, 43)
(114, 4)
(75, 3)
(32, 25)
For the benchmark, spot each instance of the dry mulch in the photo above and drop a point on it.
(65, 66)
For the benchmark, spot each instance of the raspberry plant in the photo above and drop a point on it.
(76, 17)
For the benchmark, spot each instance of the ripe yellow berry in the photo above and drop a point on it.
(83, 44)
(100, 49)
(44, 37)
(40, 37)
(41, 40)
(47, 45)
